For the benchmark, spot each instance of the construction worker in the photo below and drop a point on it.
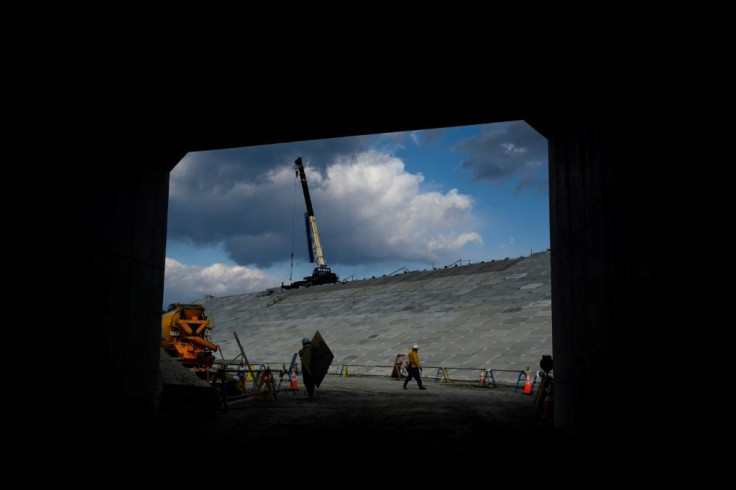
(305, 354)
(414, 368)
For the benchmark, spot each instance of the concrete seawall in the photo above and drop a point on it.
(493, 315)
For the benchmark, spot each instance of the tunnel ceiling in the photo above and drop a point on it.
(266, 130)
(183, 128)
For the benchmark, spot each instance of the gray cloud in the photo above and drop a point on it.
(252, 163)
(368, 207)
(213, 193)
(433, 135)
(503, 153)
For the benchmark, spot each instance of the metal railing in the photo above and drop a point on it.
(485, 377)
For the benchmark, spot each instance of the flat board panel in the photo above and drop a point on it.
(398, 371)
(321, 358)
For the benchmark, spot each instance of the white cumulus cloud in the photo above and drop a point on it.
(449, 243)
(505, 246)
(388, 212)
(190, 282)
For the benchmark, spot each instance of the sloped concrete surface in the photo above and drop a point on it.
(493, 315)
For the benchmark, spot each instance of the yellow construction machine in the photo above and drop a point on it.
(185, 335)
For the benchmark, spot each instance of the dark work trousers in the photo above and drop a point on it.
(308, 382)
(413, 373)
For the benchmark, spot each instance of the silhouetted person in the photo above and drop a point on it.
(414, 368)
(305, 354)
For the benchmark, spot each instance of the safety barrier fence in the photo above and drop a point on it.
(484, 377)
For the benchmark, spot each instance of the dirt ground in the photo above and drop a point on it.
(359, 431)
(372, 417)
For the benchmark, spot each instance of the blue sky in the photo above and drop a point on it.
(415, 199)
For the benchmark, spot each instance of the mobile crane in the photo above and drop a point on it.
(321, 274)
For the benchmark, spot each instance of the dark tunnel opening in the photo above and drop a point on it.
(602, 242)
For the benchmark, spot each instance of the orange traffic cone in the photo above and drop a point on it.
(292, 376)
(481, 381)
(528, 383)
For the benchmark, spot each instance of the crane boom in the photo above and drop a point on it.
(321, 274)
(310, 216)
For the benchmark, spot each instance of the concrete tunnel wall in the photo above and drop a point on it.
(129, 256)
(602, 238)
(600, 265)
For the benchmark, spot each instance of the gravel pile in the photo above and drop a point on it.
(173, 373)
